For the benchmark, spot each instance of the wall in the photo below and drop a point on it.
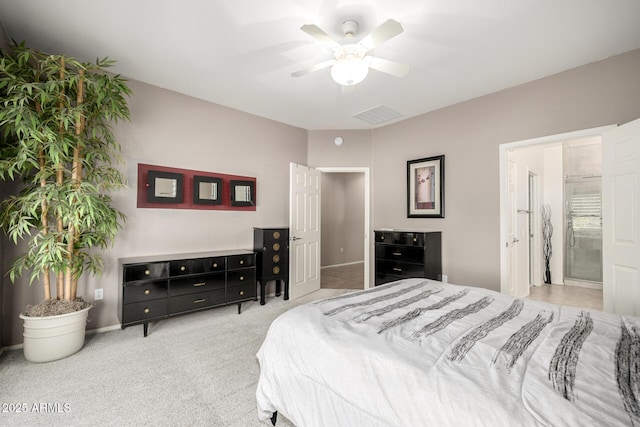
(342, 224)
(469, 134)
(554, 197)
(4, 188)
(174, 130)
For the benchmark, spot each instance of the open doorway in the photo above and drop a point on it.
(344, 259)
(546, 168)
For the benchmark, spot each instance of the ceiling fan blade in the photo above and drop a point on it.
(316, 67)
(394, 68)
(324, 38)
(387, 30)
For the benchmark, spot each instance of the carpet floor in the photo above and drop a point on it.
(198, 369)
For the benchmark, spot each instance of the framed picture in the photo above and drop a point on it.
(425, 188)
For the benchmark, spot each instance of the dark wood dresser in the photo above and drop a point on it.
(403, 254)
(157, 287)
(272, 263)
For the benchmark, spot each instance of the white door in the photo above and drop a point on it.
(621, 219)
(304, 226)
(511, 224)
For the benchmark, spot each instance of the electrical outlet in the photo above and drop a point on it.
(341, 250)
(444, 278)
(98, 294)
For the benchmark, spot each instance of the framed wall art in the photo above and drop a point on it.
(425, 187)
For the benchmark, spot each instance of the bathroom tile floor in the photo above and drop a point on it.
(567, 295)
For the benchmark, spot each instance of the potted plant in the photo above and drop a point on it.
(56, 137)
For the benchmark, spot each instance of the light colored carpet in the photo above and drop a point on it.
(196, 369)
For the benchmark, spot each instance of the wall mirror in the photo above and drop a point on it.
(207, 190)
(165, 187)
(243, 193)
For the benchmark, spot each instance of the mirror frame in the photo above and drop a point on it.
(152, 175)
(197, 180)
(241, 183)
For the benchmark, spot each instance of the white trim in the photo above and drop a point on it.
(103, 329)
(342, 265)
(88, 332)
(367, 211)
(504, 209)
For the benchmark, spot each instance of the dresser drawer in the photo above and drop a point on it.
(196, 301)
(241, 277)
(203, 283)
(196, 266)
(411, 254)
(241, 261)
(397, 268)
(399, 238)
(144, 311)
(276, 235)
(241, 292)
(154, 270)
(145, 291)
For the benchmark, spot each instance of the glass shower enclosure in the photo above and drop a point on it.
(583, 225)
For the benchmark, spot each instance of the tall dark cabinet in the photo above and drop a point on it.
(272, 262)
(403, 254)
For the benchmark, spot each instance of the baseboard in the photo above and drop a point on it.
(583, 284)
(88, 332)
(342, 265)
(103, 329)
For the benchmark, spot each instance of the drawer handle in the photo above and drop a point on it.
(241, 261)
(241, 277)
(276, 246)
(397, 254)
(397, 269)
(415, 239)
(241, 293)
(199, 284)
(147, 291)
(276, 270)
(276, 258)
(198, 301)
(276, 234)
(183, 268)
(215, 264)
(146, 311)
(381, 237)
(147, 272)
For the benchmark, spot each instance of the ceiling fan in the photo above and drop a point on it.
(351, 64)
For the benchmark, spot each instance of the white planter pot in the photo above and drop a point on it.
(54, 337)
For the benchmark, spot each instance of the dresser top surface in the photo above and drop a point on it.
(193, 255)
(390, 230)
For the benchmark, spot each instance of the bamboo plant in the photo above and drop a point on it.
(56, 137)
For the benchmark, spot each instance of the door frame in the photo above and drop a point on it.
(504, 208)
(367, 212)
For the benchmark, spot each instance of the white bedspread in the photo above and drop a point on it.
(419, 352)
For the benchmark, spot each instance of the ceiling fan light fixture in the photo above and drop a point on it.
(349, 71)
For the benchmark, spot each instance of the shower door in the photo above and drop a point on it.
(583, 237)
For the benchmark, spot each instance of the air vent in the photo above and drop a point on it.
(377, 115)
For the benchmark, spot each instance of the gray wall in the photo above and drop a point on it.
(4, 44)
(468, 134)
(174, 130)
(342, 218)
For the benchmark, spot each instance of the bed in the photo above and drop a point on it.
(419, 352)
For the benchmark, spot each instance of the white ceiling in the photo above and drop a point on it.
(240, 53)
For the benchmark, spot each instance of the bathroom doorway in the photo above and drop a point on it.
(582, 160)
